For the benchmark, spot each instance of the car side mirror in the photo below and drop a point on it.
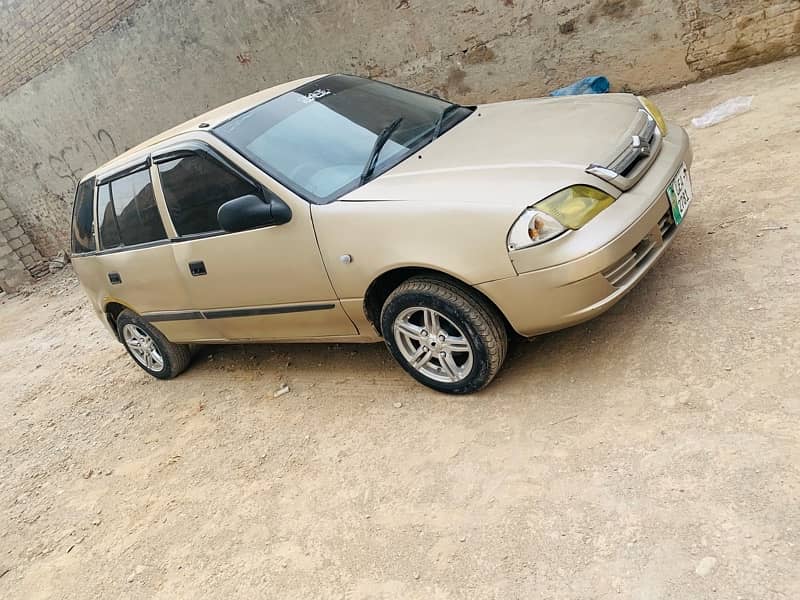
(250, 212)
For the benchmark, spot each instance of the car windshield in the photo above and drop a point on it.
(318, 139)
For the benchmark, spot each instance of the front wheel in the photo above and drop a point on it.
(150, 349)
(444, 335)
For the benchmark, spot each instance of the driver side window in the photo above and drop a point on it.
(194, 188)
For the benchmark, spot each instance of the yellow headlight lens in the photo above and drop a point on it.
(655, 112)
(575, 206)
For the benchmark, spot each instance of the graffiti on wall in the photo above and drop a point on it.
(77, 158)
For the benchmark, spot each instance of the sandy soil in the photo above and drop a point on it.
(652, 453)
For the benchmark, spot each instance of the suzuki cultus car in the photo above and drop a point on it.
(337, 209)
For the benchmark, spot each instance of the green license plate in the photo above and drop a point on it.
(679, 193)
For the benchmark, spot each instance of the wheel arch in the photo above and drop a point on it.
(112, 310)
(384, 284)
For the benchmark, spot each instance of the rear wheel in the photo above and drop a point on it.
(444, 335)
(150, 349)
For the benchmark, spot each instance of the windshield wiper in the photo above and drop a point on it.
(383, 137)
(440, 121)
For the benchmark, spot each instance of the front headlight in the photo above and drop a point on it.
(570, 208)
(655, 112)
(533, 227)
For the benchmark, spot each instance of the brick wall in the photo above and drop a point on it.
(12, 272)
(726, 35)
(18, 258)
(35, 35)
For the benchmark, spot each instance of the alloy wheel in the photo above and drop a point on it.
(142, 347)
(432, 344)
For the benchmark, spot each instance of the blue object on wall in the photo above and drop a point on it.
(588, 85)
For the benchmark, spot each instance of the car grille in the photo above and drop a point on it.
(628, 267)
(625, 164)
(625, 169)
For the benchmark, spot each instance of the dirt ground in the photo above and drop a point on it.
(652, 453)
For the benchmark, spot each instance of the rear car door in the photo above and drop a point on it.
(134, 259)
(267, 283)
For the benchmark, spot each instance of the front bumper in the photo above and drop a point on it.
(578, 278)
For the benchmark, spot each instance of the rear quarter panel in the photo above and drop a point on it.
(91, 278)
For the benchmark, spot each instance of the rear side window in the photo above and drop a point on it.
(194, 189)
(83, 218)
(109, 232)
(128, 213)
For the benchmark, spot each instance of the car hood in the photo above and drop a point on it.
(512, 152)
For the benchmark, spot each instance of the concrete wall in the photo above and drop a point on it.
(163, 61)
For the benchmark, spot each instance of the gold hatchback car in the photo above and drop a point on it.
(339, 209)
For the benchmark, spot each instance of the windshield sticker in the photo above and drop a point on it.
(316, 95)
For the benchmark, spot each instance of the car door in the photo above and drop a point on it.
(267, 283)
(134, 260)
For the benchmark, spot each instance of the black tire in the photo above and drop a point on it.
(478, 321)
(175, 357)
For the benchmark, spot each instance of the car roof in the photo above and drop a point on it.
(209, 120)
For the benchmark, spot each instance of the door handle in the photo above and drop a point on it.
(114, 278)
(197, 268)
